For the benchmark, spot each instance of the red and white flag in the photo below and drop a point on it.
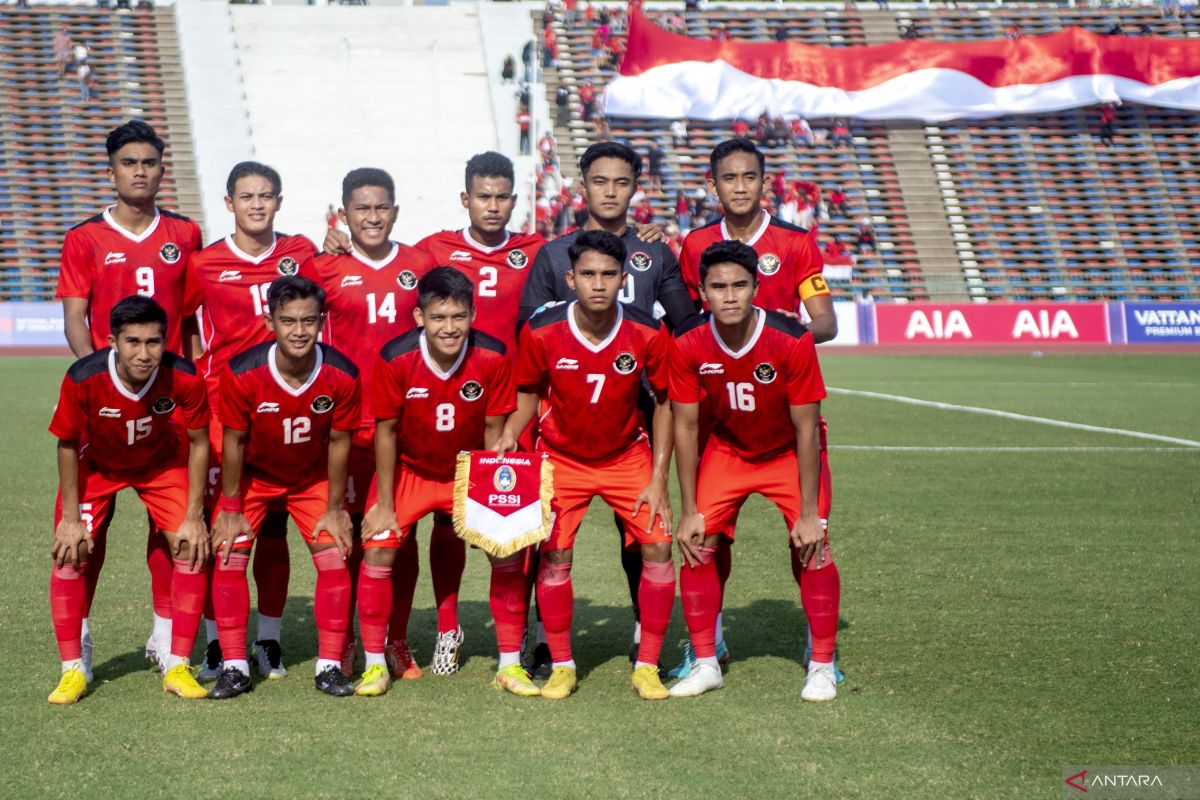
(665, 75)
(502, 503)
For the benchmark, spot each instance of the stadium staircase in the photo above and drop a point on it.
(52, 159)
(1021, 208)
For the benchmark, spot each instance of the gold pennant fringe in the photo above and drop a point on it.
(462, 482)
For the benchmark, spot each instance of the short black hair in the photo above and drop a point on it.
(133, 131)
(244, 169)
(287, 288)
(737, 145)
(367, 176)
(729, 251)
(489, 165)
(602, 242)
(445, 283)
(136, 310)
(610, 150)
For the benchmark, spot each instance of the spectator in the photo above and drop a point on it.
(1108, 124)
(1146, 29)
(719, 33)
(562, 106)
(527, 60)
(571, 13)
(676, 24)
(1014, 32)
(87, 84)
(790, 205)
(1169, 9)
(882, 5)
(866, 235)
(579, 208)
(835, 250)
(655, 158)
(741, 128)
(509, 71)
(522, 95)
(1115, 29)
(616, 48)
(589, 13)
(806, 213)
(802, 133)
(331, 218)
(597, 50)
(691, 6)
(587, 100)
(644, 213)
(524, 120)
(837, 202)
(679, 133)
(62, 50)
(781, 132)
(548, 149)
(762, 128)
(550, 47)
(781, 32)
(841, 133)
(80, 53)
(683, 211)
(909, 32)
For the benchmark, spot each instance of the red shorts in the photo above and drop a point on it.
(725, 480)
(415, 497)
(305, 503)
(617, 481)
(358, 478)
(164, 492)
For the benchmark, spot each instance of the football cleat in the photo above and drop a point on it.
(213, 664)
(230, 683)
(445, 652)
(515, 680)
(821, 684)
(684, 668)
(401, 662)
(268, 659)
(562, 684)
(702, 678)
(156, 654)
(375, 681)
(85, 655)
(538, 664)
(350, 657)
(71, 686)
(181, 680)
(837, 671)
(333, 682)
(647, 683)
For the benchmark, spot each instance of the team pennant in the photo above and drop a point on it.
(502, 503)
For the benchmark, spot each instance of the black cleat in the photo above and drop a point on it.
(538, 664)
(210, 670)
(230, 683)
(333, 681)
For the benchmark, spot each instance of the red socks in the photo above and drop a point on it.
(231, 604)
(331, 604)
(162, 572)
(507, 600)
(556, 599)
(188, 586)
(820, 593)
(272, 565)
(405, 570)
(447, 560)
(68, 598)
(656, 597)
(374, 605)
(700, 592)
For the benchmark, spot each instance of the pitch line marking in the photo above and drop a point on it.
(999, 449)
(992, 412)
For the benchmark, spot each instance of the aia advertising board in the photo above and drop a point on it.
(991, 323)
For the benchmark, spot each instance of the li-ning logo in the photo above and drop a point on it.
(460, 255)
(268, 408)
(567, 363)
(351, 280)
(417, 393)
(229, 275)
(712, 369)
(114, 258)
(111, 413)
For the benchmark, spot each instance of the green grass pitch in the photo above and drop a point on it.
(1004, 614)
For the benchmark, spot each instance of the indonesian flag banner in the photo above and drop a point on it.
(666, 75)
(502, 503)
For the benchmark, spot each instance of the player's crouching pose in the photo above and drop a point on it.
(289, 408)
(758, 375)
(586, 360)
(117, 427)
(438, 390)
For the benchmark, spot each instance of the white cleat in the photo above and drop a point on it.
(821, 684)
(445, 652)
(157, 652)
(702, 678)
(85, 655)
(268, 659)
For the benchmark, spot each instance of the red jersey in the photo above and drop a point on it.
(289, 428)
(439, 414)
(497, 272)
(592, 389)
(789, 262)
(369, 304)
(234, 286)
(123, 432)
(747, 393)
(104, 263)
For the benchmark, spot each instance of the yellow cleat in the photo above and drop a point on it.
(513, 679)
(375, 682)
(561, 685)
(71, 686)
(647, 683)
(181, 680)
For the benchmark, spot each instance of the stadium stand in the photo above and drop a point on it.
(52, 168)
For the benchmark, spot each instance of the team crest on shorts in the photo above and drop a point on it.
(505, 479)
(288, 266)
(764, 372)
(471, 390)
(769, 264)
(163, 405)
(407, 280)
(625, 363)
(322, 404)
(169, 252)
(641, 261)
(517, 259)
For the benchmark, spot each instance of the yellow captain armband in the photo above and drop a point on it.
(812, 287)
